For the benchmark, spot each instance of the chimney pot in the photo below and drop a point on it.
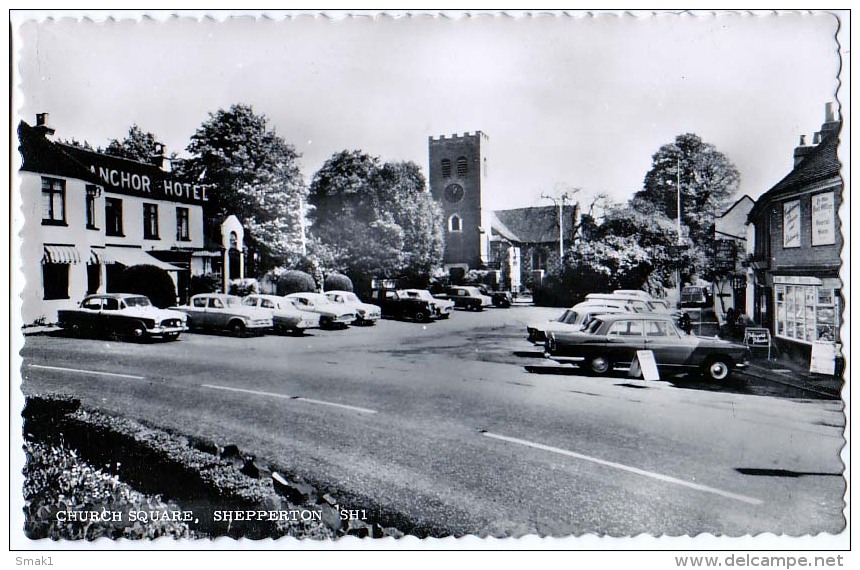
(816, 138)
(42, 119)
(830, 112)
(802, 140)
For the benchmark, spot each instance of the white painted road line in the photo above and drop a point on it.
(288, 397)
(658, 476)
(87, 371)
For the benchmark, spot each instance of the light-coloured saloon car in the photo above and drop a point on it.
(572, 319)
(285, 316)
(365, 313)
(217, 311)
(331, 314)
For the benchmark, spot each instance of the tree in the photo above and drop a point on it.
(707, 179)
(255, 176)
(137, 145)
(375, 219)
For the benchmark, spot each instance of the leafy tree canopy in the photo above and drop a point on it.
(376, 219)
(255, 176)
(137, 145)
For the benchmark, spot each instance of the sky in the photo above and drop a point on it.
(568, 102)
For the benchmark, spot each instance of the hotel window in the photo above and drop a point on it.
(462, 166)
(150, 221)
(90, 206)
(55, 281)
(806, 313)
(113, 217)
(182, 229)
(53, 202)
(446, 167)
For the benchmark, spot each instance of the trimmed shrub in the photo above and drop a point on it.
(294, 281)
(206, 283)
(151, 281)
(337, 282)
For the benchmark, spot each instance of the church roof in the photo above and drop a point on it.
(538, 224)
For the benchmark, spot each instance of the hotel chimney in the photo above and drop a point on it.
(42, 125)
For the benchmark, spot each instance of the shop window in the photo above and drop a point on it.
(150, 221)
(446, 167)
(807, 313)
(462, 166)
(53, 202)
(55, 281)
(113, 217)
(183, 232)
(94, 276)
(90, 206)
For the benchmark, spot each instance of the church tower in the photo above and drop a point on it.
(458, 174)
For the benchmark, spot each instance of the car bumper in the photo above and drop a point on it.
(159, 331)
(558, 358)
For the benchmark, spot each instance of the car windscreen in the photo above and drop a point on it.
(233, 301)
(593, 326)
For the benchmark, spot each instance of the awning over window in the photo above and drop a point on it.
(129, 256)
(66, 254)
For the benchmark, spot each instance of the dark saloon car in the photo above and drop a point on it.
(611, 341)
(466, 297)
(399, 305)
(123, 315)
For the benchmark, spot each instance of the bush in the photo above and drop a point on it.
(57, 481)
(151, 281)
(206, 283)
(294, 281)
(244, 287)
(337, 282)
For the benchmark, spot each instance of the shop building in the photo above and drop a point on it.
(88, 216)
(796, 258)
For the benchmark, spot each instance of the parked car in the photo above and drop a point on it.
(502, 299)
(365, 313)
(332, 315)
(285, 316)
(443, 306)
(398, 304)
(217, 311)
(612, 340)
(571, 319)
(123, 315)
(466, 297)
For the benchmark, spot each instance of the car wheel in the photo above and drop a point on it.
(138, 331)
(237, 328)
(718, 369)
(325, 323)
(599, 364)
(421, 317)
(297, 332)
(76, 331)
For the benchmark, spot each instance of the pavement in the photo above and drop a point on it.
(781, 370)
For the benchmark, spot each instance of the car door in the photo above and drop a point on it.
(671, 349)
(216, 313)
(623, 339)
(90, 318)
(110, 320)
(198, 311)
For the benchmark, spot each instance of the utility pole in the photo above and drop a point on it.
(559, 201)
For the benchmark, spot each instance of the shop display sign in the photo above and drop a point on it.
(756, 336)
(823, 219)
(791, 224)
(823, 358)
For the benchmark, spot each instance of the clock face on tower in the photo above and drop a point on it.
(454, 193)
